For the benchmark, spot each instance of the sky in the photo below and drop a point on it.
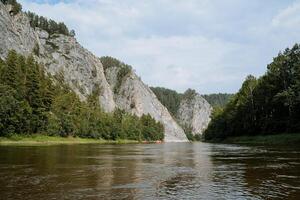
(206, 45)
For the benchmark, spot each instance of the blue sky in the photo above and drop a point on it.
(207, 45)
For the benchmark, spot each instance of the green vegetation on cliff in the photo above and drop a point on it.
(171, 100)
(267, 105)
(32, 103)
(123, 70)
(16, 7)
(49, 25)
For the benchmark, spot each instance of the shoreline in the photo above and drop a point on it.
(33, 140)
(277, 139)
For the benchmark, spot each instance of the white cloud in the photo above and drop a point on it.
(288, 17)
(209, 45)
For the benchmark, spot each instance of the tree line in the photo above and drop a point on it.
(217, 100)
(266, 105)
(33, 102)
(49, 25)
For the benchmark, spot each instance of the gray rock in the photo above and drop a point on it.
(137, 98)
(65, 59)
(194, 113)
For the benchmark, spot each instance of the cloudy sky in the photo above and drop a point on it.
(207, 45)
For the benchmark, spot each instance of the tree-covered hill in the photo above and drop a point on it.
(217, 100)
(33, 102)
(169, 98)
(266, 105)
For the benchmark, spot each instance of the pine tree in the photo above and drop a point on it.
(34, 95)
(12, 72)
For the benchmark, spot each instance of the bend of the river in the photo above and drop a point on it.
(152, 171)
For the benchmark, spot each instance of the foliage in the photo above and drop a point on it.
(108, 62)
(218, 100)
(31, 103)
(268, 105)
(123, 70)
(16, 7)
(49, 25)
(169, 98)
(122, 73)
(189, 94)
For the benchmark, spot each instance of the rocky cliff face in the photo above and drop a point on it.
(194, 113)
(134, 96)
(64, 58)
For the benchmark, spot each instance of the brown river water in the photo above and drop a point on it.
(149, 171)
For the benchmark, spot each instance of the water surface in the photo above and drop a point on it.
(154, 171)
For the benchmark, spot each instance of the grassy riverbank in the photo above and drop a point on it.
(280, 139)
(53, 140)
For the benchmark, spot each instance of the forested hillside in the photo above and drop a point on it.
(32, 102)
(169, 98)
(217, 100)
(267, 105)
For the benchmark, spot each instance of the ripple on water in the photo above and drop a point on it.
(166, 171)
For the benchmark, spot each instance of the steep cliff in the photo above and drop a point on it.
(65, 59)
(190, 109)
(61, 55)
(132, 95)
(194, 113)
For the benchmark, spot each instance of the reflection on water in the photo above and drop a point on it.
(154, 171)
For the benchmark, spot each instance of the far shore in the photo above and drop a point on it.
(278, 139)
(54, 140)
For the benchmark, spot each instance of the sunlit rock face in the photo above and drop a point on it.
(194, 112)
(134, 96)
(62, 56)
(65, 59)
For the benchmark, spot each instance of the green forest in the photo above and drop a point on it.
(217, 100)
(169, 98)
(49, 25)
(266, 105)
(33, 102)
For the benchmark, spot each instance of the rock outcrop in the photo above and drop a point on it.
(134, 96)
(64, 58)
(194, 113)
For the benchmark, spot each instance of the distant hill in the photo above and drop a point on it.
(169, 98)
(218, 100)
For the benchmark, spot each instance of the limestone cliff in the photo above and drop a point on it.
(189, 109)
(194, 113)
(61, 55)
(64, 58)
(132, 95)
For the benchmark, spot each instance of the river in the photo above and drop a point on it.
(149, 171)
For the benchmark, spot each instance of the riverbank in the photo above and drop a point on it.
(53, 140)
(279, 139)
